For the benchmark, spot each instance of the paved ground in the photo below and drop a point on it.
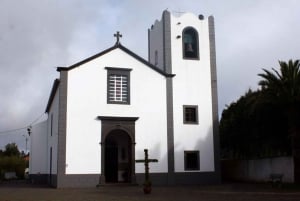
(230, 192)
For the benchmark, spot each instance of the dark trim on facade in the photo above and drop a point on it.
(169, 86)
(38, 178)
(62, 129)
(180, 178)
(167, 42)
(146, 62)
(80, 181)
(118, 71)
(52, 94)
(196, 113)
(111, 118)
(113, 48)
(214, 92)
(157, 179)
(52, 180)
(149, 45)
(110, 124)
(88, 59)
(198, 45)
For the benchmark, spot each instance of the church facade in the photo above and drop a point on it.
(105, 110)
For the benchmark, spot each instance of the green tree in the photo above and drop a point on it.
(12, 161)
(282, 89)
(249, 130)
(11, 149)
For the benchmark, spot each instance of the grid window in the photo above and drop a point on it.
(118, 85)
(118, 88)
(191, 160)
(190, 114)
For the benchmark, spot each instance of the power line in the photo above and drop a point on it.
(37, 119)
(12, 130)
(17, 129)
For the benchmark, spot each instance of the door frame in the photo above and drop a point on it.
(109, 124)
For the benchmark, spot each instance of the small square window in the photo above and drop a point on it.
(190, 114)
(191, 160)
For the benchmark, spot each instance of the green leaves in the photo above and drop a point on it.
(260, 123)
(283, 86)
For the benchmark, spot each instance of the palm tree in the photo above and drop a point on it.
(283, 89)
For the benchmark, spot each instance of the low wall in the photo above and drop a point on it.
(258, 170)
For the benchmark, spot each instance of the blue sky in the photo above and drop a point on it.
(38, 35)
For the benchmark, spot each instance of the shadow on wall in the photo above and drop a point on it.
(209, 163)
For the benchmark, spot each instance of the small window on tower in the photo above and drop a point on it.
(190, 43)
(191, 160)
(190, 114)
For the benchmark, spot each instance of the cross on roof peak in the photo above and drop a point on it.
(118, 36)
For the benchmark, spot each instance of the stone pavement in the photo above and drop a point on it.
(224, 192)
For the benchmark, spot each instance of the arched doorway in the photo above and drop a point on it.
(118, 157)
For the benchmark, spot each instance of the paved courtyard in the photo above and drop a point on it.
(243, 192)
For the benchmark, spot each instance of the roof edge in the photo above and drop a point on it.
(117, 45)
(52, 94)
(145, 62)
(87, 59)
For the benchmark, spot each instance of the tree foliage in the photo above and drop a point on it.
(11, 149)
(12, 161)
(252, 130)
(265, 122)
(283, 89)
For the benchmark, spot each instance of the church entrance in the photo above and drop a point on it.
(117, 157)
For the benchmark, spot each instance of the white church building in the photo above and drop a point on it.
(105, 110)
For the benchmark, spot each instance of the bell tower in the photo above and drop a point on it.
(184, 45)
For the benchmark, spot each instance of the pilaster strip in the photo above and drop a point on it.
(169, 89)
(214, 92)
(62, 128)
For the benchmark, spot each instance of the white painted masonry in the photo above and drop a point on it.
(52, 135)
(191, 86)
(38, 150)
(72, 147)
(87, 99)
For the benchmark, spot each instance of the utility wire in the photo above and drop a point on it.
(36, 119)
(17, 129)
(12, 130)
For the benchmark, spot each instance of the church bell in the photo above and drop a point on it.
(189, 48)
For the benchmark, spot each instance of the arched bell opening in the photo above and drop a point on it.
(190, 43)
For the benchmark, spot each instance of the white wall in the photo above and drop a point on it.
(87, 99)
(52, 140)
(156, 44)
(42, 141)
(192, 86)
(38, 149)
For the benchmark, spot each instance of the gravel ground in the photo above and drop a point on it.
(230, 192)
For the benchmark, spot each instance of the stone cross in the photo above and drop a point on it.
(146, 161)
(118, 36)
